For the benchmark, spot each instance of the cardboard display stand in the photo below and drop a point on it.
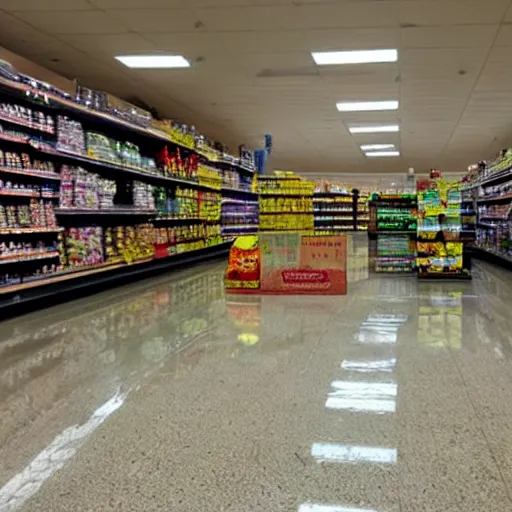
(288, 263)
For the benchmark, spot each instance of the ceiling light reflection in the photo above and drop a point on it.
(378, 397)
(26, 483)
(372, 337)
(313, 507)
(333, 452)
(377, 365)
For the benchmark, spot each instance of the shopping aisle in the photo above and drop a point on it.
(167, 396)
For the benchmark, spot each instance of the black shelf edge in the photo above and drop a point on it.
(494, 199)
(113, 211)
(238, 191)
(47, 294)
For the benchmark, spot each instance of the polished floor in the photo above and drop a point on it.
(170, 396)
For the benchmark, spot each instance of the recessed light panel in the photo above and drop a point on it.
(154, 61)
(373, 154)
(374, 129)
(366, 106)
(376, 147)
(354, 57)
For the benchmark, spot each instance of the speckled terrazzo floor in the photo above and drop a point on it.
(169, 396)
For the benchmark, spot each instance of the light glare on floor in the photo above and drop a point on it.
(313, 507)
(366, 106)
(154, 61)
(374, 129)
(332, 452)
(354, 57)
(373, 154)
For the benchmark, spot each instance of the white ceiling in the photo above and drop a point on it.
(252, 72)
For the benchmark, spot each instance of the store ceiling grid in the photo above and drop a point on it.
(252, 71)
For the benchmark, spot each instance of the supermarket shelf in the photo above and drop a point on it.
(494, 199)
(21, 122)
(11, 138)
(238, 214)
(23, 231)
(19, 193)
(77, 108)
(238, 191)
(488, 225)
(494, 217)
(344, 212)
(31, 172)
(285, 213)
(36, 255)
(178, 219)
(22, 298)
(236, 228)
(495, 177)
(140, 173)
(488, 253)
(281, 194)
(109, 211)
(381, 232)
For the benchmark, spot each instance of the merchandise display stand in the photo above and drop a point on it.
(337, 210)
(94, 192)
(289, 264)
(285, 204)
(444, 230)
(392, 232)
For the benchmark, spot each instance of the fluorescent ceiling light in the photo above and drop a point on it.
(374, 129)
(375, 147)
(366, 106)
(373, 154)
(154, 61)
(354, 57)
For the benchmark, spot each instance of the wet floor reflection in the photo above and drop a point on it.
(26, 483)
(376, 397)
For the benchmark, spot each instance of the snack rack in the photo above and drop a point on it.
(92, 195)
(445, 226)
(492, 191)
(392, 232)
(285, 204)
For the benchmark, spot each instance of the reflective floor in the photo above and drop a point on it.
(168, 395)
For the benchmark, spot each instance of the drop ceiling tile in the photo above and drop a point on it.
(21, 37)
(156, 20)
(429, 63)
(371, 14)
(452, 12)
(140, 4)
(352, 39)
(285, 63)
(46, 5)
(69, 22)
(109, 45)
(267, 41)
(504, 36)
(496, 74)
(465, 36)
(190, 44)
(247, 18)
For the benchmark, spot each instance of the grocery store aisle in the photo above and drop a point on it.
(167, 395)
